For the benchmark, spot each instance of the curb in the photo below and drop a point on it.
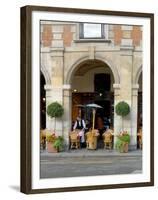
(89, 154)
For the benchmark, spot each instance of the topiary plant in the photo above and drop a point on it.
(55, 110)
(122, 109)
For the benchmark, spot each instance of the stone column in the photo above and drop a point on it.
(134, 112)
(56, 91)
(49, 123)
(117, 119)
(126, 70)
(67, 122)
(53, 94)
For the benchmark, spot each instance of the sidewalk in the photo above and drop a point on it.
(90, 153)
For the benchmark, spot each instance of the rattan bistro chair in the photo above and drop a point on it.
(91, 139)
(140, 139)
(108, 139)
(74, 140)
(43, 139)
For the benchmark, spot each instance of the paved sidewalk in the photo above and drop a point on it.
(91, 153)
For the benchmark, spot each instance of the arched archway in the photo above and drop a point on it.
(42, 102)
(140, 96)
(79, 66)
(46, 75)
(92, 82)
(75, 66)
(138, 74)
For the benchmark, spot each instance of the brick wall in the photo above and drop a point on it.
(67, 35)
(117, 34)
(53, 35)
(46, 35)
(136, 35)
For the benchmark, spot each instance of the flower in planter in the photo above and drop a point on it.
(55, 110)
(51, 138)
(55, 142)
(58, 144)
(123, 139)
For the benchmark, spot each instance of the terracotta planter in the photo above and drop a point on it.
(124, 148)
(50, 148)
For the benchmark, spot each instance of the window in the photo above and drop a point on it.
(91, 31)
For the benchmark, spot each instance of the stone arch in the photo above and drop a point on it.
(74, 67)
(46, 75)
(138, 73)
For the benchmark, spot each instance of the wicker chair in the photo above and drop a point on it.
(108, 139)
(74, 140)
(43, 139)
(91, 139)
(140, 139)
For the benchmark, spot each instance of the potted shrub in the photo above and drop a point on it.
(55, 110)
(122, 109)
(54, 143)
(123, 139)
(58, 144)
(51, 138)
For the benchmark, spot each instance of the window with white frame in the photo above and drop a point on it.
(92, 31)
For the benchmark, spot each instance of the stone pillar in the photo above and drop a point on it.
(67, 122)
(134, 112)
(125, 92)
(49, 123)
(57, 57)
(126, 70)
(55, 92)
(117, 119)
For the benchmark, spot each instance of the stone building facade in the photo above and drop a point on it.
(69, 62)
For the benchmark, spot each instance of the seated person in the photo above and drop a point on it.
(80, 126)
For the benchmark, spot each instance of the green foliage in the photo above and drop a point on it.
(125, 138)
(121, 140)
(55, 110)
(122, 109)
(57, 141)
(119, 144)
(58, 144)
